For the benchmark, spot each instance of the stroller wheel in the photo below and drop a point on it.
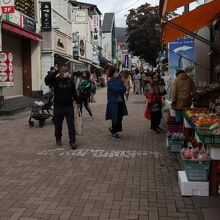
(41, 123)
(31, 124)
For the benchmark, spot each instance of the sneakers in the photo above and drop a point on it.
(73, 145)
(115, 137)
(59, 143)
(110, 130)
(160, 129)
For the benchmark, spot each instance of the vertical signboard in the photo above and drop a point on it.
(181, 55)
(126, 62)
(6, 69)
(46, 16)
(7, 6)
(96, 29)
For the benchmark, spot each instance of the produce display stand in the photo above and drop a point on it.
(212, 144)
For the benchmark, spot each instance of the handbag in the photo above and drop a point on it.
(147, 113)
(78, 123)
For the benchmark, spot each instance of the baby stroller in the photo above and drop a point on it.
(42, 110)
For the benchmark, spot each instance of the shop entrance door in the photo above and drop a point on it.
(26, 63)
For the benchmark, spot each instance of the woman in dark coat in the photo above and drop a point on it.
(116, 107)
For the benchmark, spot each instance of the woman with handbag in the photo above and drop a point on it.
(116, 107)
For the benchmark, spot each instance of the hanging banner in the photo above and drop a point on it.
(96, 29)
(46, 16)
(6, 69)
(181, 55)
(7, 6)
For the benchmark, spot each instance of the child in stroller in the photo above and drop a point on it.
(42, 110)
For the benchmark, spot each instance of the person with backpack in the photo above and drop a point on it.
(85, 91)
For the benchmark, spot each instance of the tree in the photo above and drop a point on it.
(142, 38)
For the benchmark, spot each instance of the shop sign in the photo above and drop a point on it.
(14, 18)
(6, 69)
(96, 29)
(28, 23)
(81, 16)
(7, 6)
(46, 16)
(60, 42)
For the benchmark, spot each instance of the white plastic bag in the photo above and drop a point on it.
(78, 122)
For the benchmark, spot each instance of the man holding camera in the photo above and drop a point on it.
(64, 94)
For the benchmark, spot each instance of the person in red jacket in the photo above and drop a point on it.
(154, 98)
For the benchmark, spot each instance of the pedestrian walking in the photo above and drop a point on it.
(127, 81)
(116, 107)
(154, 97)
(137, 82)
(183, 91)
(64, 93)
(84, 92)
(93, 80)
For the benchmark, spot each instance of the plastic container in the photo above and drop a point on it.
(196, 170)
(176, 144)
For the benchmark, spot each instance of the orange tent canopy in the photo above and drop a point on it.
(190, 22)
(170, 5)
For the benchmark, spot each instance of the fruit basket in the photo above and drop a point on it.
(175, 144)
(196, 170)
(207, 138)
(175, 141)
(196, 163)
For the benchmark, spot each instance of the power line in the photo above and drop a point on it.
(126, 7)
(133, 31)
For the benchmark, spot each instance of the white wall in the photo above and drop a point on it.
(107, 45)
(47, 62)
(82, 24)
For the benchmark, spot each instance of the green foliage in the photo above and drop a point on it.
(142, 38)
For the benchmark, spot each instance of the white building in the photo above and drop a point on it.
(57, 36)
(86, 35)
(108, 38)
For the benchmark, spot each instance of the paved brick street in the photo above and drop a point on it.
(135, 178)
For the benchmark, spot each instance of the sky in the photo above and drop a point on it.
(119, 7)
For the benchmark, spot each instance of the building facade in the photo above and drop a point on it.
(86, 35)
(19, 37)
(57, 36)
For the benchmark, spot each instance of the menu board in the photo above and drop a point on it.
(26, 7)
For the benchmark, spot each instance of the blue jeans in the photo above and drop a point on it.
(179, 115)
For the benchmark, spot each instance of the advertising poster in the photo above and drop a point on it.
(6, 69)
(181, 55)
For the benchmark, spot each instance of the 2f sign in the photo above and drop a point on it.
(8, 6)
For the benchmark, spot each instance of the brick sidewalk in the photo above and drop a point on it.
(135, 178)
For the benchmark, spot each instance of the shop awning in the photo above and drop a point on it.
(69, 59)
(75, 61)
(18, 30)
(171, 5)
(97, 66)
(86, 61)
(190, 22)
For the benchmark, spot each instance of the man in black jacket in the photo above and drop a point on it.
(64, 93)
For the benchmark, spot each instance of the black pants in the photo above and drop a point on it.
(59, 114)
(117, 127)
(155, 119)
(85, 100)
